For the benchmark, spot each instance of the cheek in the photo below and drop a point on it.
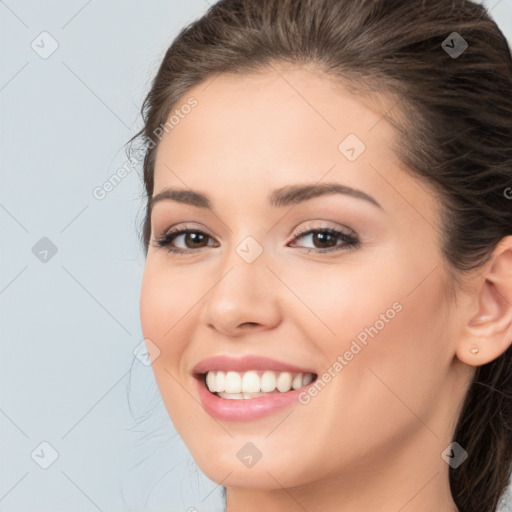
(166, 294)
(383, 323)
(399, 346)
(165, 302)
(336, 304)
(387, 301)
(152, 305)
(392, 372)
(165, 306)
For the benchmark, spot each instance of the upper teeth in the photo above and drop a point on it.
(252, 382)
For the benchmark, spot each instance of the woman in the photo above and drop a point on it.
(328, 239)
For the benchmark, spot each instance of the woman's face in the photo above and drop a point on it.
(371, 317)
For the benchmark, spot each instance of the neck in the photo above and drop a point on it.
(425, 497)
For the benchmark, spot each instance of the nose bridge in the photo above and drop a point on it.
(243, 291)
(243, 272)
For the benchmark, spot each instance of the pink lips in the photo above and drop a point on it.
(245, 409)
(226, 363)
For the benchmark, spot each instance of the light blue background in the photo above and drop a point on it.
(69, 326)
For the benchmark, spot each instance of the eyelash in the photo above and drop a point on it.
(351, 240)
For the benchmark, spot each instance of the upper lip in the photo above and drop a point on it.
(248, 362)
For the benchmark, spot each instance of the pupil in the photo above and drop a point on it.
(194, 237)
(323, 237)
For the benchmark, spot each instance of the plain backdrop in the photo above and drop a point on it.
(72, 78)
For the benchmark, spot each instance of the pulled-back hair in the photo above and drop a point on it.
(453, 117)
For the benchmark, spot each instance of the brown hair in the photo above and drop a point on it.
(455, 132)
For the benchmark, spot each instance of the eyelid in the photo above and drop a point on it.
(184, 227)
(348, 236)
(295, 233)
(309, 227)
(162, 241)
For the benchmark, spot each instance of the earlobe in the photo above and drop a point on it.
(488, 332)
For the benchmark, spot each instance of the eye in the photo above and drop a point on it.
(192, 237)
(328, 239)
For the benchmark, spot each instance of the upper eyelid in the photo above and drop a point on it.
(344, 229)
(301, 231)
(173, 233)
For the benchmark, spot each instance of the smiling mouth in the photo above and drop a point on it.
(232, 385)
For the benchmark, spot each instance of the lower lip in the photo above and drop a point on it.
(245, 409)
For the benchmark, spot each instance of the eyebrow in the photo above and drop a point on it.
(285, 196)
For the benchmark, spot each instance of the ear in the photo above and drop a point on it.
(490, 328)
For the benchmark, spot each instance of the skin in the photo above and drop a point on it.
(372, 438)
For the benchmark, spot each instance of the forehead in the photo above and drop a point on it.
(267, 118)
(252, 133)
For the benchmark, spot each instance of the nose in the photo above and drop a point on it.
(244, 298)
